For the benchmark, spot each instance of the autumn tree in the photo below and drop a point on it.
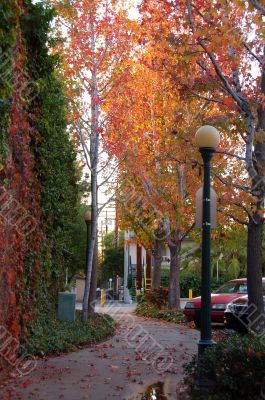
(152, 141)
(95, 54)
(221, 46)
(231, 63)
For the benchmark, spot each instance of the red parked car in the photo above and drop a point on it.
(220, 298)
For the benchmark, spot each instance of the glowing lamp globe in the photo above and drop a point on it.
(87, 216)
(207, 136)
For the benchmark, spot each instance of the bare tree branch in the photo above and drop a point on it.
(235, 185)
(232, 217)
(85, 122)
(235, 72)
(249, 147)
(147, 185)
(190, 252)
(185, 234)
(239, 100)
(245, 110)
(104, 52)
(190, 15)
(106, 203)
(228, 153)
(86, 82)
(84, 146)
(208, 72)
(253, 54)
(208, 20)
(105, 165)
(207, 98)
(110, 174)
(102, 122)
(246, 210)
(109, 81)
(258, 6)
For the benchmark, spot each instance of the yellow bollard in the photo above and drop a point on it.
(190, 294)
(102, 298)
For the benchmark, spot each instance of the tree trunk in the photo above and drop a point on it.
(174, 286)
(139, 278)
(255, 225)
(254, 272)
(92, 244)
(156, 279)
(94, 154)
(94, 278)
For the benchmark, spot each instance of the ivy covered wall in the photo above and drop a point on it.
(55, 157)
(8, 11)
(39, 196)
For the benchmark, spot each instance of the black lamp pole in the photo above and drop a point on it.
(207, 139)
(206, 330)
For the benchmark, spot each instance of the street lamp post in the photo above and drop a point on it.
(87, 218)
(207, 139)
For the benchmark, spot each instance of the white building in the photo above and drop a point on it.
(138, 266)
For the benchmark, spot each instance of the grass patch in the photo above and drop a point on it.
(145, 309)
(48, 335)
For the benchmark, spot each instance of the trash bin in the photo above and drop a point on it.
(66, 306)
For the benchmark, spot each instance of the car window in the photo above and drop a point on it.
(236, 287)
(229, 287)
(242, 288)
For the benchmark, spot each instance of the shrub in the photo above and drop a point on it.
(157, 297)
(164, 280)
(47, 334)
(191, 281)
(148, 310)
(140, 298)
(238, 367)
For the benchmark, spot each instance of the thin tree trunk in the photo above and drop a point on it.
(156, 279)
(174, 286)
(255, 226)
(94, 153)
(175, 247)
(93, 287)
(91, 247)
(254, 272)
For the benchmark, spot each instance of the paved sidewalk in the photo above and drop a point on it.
(127, 307)
(116, 368)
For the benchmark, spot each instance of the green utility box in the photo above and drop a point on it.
(66, 306)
